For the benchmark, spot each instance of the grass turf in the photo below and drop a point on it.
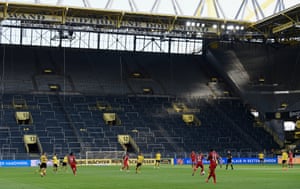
(167, 177)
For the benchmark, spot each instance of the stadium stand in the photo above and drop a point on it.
(70, 120)
(263, 69)
(84, 130)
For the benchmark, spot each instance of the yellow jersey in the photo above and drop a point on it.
(284, 156)
(55, 160)
(43, 159)
(261, 156)
(157, 156)
(65, 159)
(140, 159)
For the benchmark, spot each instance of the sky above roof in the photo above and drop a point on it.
(183, 7)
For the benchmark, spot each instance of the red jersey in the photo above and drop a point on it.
(200, 157)
(125, 159)
(72, 160)
(291, 155)
(193, 156)
(213, 158)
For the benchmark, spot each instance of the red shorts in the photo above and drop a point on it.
(212, 166)
(73, 166)
(199, 165)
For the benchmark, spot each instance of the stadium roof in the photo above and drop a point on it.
(33, 15)
(282, 24)
(249, 10)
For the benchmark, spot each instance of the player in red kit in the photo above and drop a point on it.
(193, 158)
(199, 163)
(125, 162)
(291, 159)
(72, 162)
(212, 158)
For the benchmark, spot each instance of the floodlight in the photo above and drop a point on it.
(230, 27)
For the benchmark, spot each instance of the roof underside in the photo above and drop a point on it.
(282, 24)
(285, 24)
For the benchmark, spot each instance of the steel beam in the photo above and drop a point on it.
(214, 9)
(155, 6)
(108, 4)
(133, 6)
(86, 3)
(279, 6)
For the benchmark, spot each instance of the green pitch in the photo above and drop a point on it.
(167, 177)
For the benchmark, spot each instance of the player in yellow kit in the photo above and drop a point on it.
(65, 163)
(139, 163)
(157, 159)
(43, 164)
(284, 157)
(55, 163)
(261, 157)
